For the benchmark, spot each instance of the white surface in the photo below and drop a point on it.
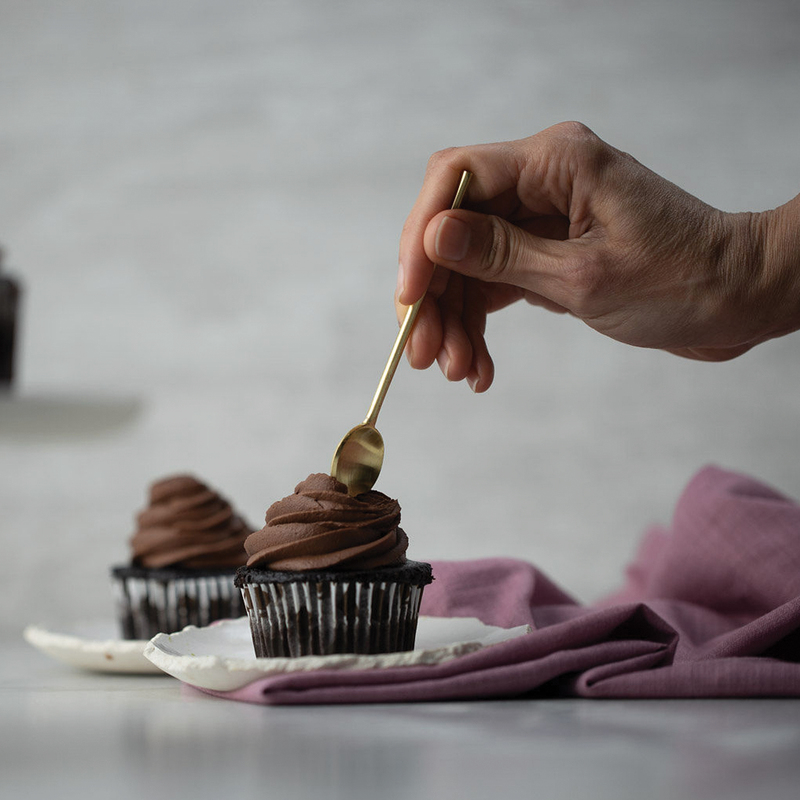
(221, 656)
(65, 733)
(91, 645)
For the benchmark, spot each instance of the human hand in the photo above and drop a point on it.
(565, 221)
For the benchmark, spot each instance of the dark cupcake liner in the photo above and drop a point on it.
(338, 614)
(165, 601)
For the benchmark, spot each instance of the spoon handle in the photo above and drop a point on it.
(405, 328)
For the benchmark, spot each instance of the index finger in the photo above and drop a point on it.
(438, 188)
(497, 171)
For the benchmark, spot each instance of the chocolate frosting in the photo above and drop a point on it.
(188, 525)
(321, 527)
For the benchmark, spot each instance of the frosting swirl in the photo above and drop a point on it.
(188, 525)
(321, 527)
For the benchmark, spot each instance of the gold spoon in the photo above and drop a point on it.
(358, 459)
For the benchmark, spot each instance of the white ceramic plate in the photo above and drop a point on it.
(90, 645)
(220, 656)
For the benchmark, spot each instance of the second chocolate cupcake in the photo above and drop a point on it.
(186, 548)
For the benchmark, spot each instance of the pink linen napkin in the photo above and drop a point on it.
(710, 608)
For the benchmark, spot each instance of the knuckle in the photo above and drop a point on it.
(574, 130)
(586, 277)
(590, 150)
(498, 251)
(441, 158)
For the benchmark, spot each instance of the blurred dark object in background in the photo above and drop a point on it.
(9, 305)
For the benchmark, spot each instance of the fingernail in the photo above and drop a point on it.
(401, 281)
(472, 380)
(444, 364)
(452, 239)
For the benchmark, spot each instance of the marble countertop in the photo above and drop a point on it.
(71, 734)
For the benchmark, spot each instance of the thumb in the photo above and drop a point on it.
(492, 249)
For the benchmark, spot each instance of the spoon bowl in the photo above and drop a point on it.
(358, 459)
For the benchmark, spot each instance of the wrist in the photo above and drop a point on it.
(759, 274)
(780, 253)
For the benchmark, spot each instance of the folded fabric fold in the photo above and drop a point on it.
(711, 608)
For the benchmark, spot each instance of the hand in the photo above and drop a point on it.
(565, 221)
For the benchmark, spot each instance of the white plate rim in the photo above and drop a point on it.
(219, 671)
(96, 654)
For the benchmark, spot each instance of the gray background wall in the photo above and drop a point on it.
(204, 201)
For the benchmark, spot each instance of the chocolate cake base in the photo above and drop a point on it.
(326, 612)
(151, 601)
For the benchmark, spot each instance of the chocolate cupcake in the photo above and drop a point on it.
(185, 551)
(328, 574)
